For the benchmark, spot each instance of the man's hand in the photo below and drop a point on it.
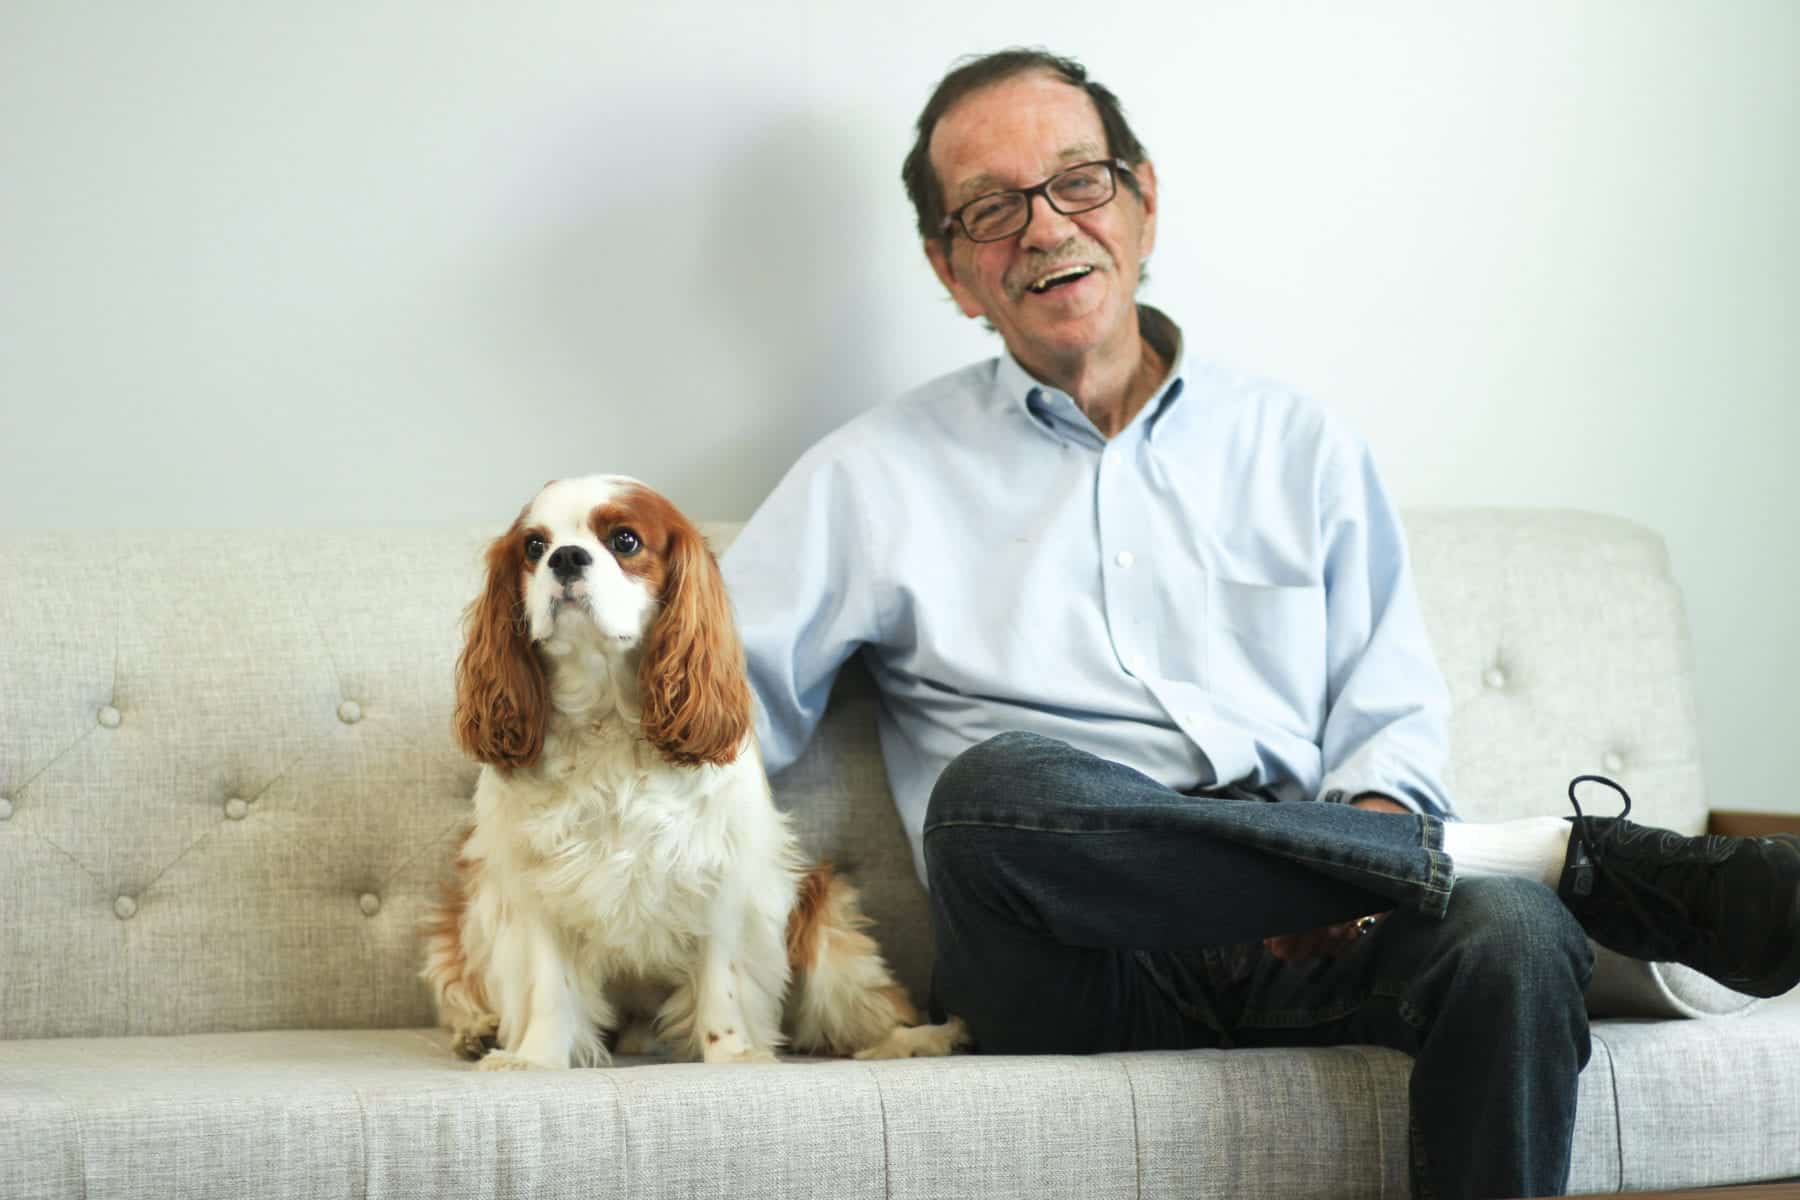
(1332, 940)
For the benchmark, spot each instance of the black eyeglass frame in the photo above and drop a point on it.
(954, 220)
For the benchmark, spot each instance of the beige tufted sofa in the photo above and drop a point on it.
(227, 792)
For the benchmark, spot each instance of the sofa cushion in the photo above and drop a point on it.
(391, 1113)
(1706, 1103)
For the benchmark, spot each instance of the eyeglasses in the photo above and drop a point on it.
(1077, 189)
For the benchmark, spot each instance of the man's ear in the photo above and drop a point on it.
(1146, 177)
(937, 250)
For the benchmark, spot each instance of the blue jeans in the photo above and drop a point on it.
(1080, 906)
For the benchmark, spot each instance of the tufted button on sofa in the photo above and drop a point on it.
(228, 794)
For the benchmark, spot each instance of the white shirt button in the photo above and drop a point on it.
(124, 908)
(1125, 558)
(1613, 761)
(109, 717)
(349, 712)
(236, 808)
(5, 809)
(370, 904)
(1494, 678)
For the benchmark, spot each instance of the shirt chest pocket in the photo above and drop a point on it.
(1266, 650)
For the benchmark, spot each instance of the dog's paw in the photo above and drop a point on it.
(474, 1040)
(506, 1060)
(750, 1056)
(920, 1041)
(733, 1047)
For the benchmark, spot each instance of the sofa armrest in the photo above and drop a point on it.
(1751, 824)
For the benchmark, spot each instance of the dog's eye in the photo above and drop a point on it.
(535, 547)
(624, 543)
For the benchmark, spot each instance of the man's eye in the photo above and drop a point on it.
(535, 547)
(624, 543)
(993, 211)
(1079, 186)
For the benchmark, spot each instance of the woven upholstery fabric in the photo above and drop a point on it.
(1565, 647)
(229, 790)
(390, 1113)
(1708, 1103)
(393, 1113)
(211, 669)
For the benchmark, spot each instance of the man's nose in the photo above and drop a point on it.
(568, 562)
(1045, 227)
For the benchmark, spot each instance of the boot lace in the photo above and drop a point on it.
(1639, 894)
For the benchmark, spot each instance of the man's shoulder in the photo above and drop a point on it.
(1270, 403)
(926, 414)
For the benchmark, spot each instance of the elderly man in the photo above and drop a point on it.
(1159, 711)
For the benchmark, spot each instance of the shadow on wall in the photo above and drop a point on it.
(710, 308)
(795, 297)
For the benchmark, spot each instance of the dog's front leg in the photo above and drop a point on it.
(544, 1020)
(737, 1004)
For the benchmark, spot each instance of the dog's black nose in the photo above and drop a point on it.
(568, 562)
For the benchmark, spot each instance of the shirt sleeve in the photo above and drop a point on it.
(1387, 717)
(803, 593)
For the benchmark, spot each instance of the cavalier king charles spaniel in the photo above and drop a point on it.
(627, 880)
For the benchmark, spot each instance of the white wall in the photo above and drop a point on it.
(359, 263)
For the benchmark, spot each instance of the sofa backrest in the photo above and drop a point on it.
(228, 791)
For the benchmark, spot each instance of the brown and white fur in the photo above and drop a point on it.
(627, 873)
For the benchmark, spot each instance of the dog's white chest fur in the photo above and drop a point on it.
(623, 853)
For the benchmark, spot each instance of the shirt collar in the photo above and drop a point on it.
(1056, 411)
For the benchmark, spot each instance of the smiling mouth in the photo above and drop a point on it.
(1058, 278)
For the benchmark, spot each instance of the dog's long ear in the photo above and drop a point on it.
(501, 692)
(696, 698)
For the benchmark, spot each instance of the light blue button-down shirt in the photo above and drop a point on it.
(1220, 592)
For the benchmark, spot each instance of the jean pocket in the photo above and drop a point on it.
(1267, 649)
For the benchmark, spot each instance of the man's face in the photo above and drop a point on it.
(1015, 134)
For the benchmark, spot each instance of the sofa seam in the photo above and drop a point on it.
(432, 843)
(81, 866)
(318, 627)
(1381, 1140)
(1137, 1137)
(887, 1152)
(27, 781)
(80, 1147)
(624, 1156)
(1612, 1077)
(362, 1116)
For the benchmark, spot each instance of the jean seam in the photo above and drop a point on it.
(1427, 883)
(1431, 883)
(931, 829)
(1187, 1008)
(1435, 886)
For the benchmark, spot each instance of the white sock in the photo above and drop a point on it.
(1530, 848)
